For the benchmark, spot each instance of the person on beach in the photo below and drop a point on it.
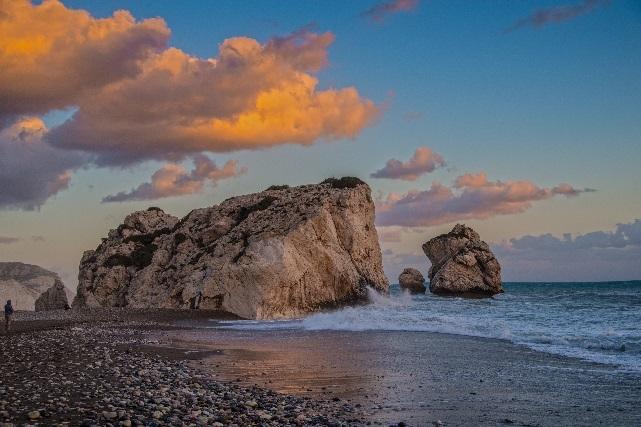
(8, 312)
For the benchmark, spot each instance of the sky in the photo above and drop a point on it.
(520, 119)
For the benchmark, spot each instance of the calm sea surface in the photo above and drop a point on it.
(599, 322)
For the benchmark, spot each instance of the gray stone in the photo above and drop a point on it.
(412, 280)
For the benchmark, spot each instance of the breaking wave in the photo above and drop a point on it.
(598, 322)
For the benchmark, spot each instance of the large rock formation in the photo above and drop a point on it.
(412, 280)
(24, 283)
(280, 253)
(54, 298)
(462, 264)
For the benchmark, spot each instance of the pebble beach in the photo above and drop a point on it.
(95, 368)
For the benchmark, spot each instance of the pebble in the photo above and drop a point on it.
(93, 374)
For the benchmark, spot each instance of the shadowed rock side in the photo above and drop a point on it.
(54, 298)
(462, 264)
(24, 283)
(280, 253)
(412, 280)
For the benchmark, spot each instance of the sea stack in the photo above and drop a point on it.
(462, 264)
(54, 298)
(412, 280)
(280, 253)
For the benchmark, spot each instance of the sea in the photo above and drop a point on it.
(594, 321)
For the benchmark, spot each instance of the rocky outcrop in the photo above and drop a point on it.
(462, 264)
(280, 253)
(24, 283)
(54, 298)
(412, 280)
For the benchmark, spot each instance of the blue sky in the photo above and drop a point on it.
(559, 103)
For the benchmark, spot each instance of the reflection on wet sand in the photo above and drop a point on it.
(420, 377)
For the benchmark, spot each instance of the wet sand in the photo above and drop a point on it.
(421, 378)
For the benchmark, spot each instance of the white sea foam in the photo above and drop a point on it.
(595, 322)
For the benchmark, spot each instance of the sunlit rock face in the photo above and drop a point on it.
(462, 264)
(279, 253)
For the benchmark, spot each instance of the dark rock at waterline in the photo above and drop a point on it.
(462, 264)
(412, 280)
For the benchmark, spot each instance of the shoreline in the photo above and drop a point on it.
(421, 378)
(97, 368)
(141, 367)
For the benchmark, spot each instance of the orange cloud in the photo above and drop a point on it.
(424, 160)
(476, 198)
(51, 56)
(250, 96)
(173, 180)
(138, 100)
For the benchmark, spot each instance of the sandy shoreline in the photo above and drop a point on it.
(163, 367)
(422, 378)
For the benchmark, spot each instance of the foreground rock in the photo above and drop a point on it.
(54, 298)
(280, 253)
(462, 264)
(412, 280)
(24, 283)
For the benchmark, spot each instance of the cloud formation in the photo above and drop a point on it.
(136, 99)
(380, 11)
(423, 161)
(52, 57)
(4, 240)
(472, 196)
(598, 255)
(557, 14)
(173, 180)
(31, 170)
(251, 96)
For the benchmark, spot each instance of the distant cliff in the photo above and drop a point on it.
(24, 283)
(279, 253)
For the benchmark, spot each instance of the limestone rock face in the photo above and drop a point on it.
(54, 298)
(462, 264)
(412, 280)
(280, 253)
(24, 283)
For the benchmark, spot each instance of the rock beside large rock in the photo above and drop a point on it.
(462, 264)
(280, 253)
(412, 280)
(54, 298)
(24, 283)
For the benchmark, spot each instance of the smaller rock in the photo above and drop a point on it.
(412, 280)
(54, 298)
(34, 415)
(109, 415)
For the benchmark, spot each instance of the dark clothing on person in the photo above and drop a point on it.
(8, 312)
